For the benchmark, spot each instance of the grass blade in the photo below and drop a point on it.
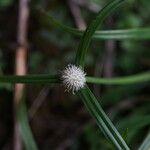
(30, 79)
(134, 125)
(134, 34)
(87, 36)
(146, 143)
(24, 126)
(58, 24)
(101, 118)
(142, 77)
(142, 33)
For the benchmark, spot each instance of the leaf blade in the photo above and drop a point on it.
(87, 36)
(26, 132)
(141, 33)
(45, 78)
(101, 118)
(132, 79)
(146, 143)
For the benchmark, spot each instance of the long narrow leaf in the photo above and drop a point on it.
(142, 33)
(142, 77)
(59, 25)
(134, 125)
(146, 143)
(134, 34)
(101, 118)
(30, 79)
(87, 36)
(26, 133)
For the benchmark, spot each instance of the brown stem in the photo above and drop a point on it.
(93, 7)
(99, 65)
(75, 11)
(20, 64)
(38, 102)
(110, 53)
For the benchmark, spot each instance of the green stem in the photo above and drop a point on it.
(102, 119)
(25, 129)
(30, 79)
(89, 32)
(134, 34)
(146, 143)
(142, 77)
(142, 33)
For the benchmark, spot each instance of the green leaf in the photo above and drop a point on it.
(146, 143)
(59, 25)
(5, 3)
(26, 132)
(134, 124)
(142, 33)
(87, 36)
(134, 34)
(101, 118)
(142, 77)
(30, 79)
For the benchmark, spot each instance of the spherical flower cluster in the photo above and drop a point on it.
(73, 78)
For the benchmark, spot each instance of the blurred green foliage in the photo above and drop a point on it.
(5, 3)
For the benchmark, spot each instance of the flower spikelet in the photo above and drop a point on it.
(73, 78)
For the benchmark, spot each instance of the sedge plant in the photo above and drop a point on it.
(75, 79)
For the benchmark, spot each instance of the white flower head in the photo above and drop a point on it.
(73, 78)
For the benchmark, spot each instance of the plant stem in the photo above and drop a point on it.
(46, 78)
(30, 79)
(142, 77)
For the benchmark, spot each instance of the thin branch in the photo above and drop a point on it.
(75, 11)
(109, 53)
(93, 7)
(38, 101)
(20, 66)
